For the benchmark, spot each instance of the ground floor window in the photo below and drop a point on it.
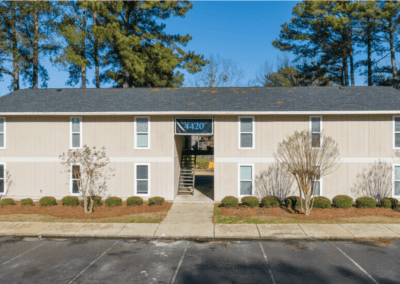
(246, 179)
(396, 181)
(75, 177)
(2, 178)
(142, 179)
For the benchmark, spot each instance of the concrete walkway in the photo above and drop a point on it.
(192, 226)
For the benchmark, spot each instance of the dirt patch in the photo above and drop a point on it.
(333, 215)
(377, 242)
(77, 213)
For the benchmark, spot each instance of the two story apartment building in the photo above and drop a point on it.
(144, 132)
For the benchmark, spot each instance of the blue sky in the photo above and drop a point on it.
(237, 30)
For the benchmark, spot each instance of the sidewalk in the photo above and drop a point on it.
(204, 230)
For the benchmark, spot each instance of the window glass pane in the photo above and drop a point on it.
(142, 172)
(397, 140)
(142, 125)
(315, 124)
(1, 124)
(397, 124)
(75, 125)
(245, 172)
(1, 171)
(246, 140)
(142, 186)
(318, 189)
(75, 169)
(316, 140)
(245, 188)
(142, 140)
(76, 140)
(397, 188)
(1, 185)
(397, 173)
(1, 140)
(75, 188)
(246, 125)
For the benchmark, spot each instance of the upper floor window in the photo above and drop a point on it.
(76, 132)
(142, 132)
(2, 132)
(316, 131)
(396, 132)
(246, 132)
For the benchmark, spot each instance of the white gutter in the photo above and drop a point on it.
(205, 113)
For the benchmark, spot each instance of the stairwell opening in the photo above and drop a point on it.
(194, 171)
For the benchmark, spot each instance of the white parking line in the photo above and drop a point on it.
(269, 266)
(356, 264)
(180, 263)
(76, 277)
(23, 254)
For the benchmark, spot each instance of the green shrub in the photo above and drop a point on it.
(70, 201)
(365, 202)
(342, 201)
(113, 201)
(202, 163)
(26, 201)
(293, 202)
(47, 201)
(230, 201)
(321, 202)
(389, 202)
(96, 201)
(134, 200)
(250, 201)
(7, 201)
(270, 201)
(156, 200)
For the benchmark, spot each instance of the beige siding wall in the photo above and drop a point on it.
(358, 136)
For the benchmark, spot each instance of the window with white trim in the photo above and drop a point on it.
(142, 179)
(2, 132)
(396, 180)
(142, 132)
(2, 178)
(246, 132)
(76, 132)
(318, 189)
(396, 132)
(316, 130)
(246, 179)
(75, 177)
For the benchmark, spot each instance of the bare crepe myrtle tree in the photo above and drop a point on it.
(92, 174)
(375, 181)
(275, 181)
(306, 163)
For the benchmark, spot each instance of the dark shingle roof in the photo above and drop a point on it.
(229, 99)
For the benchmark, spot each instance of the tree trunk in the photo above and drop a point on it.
(35, 75)
(126, 82)
(14, 47)
(345, 70)
(83, 66)
(369, 62)
(96, 54)
(392, 53)
(85, 204)
(91, 204)
(351, 52)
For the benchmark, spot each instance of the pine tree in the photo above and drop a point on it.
(139, 53)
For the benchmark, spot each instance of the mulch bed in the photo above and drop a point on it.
(77, 212)
(317, 214)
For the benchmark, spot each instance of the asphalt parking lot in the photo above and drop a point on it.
(85, 260)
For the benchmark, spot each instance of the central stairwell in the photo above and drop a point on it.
(187, 175)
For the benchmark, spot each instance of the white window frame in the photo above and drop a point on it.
(71, 180)
(148, 179)
(252, 133)
(394, 132)
(393, 180)
(320, 189)
(4, 133)
(80, 133)
(148, 132)
(320, 131)
(252, 181)
(5, 178)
